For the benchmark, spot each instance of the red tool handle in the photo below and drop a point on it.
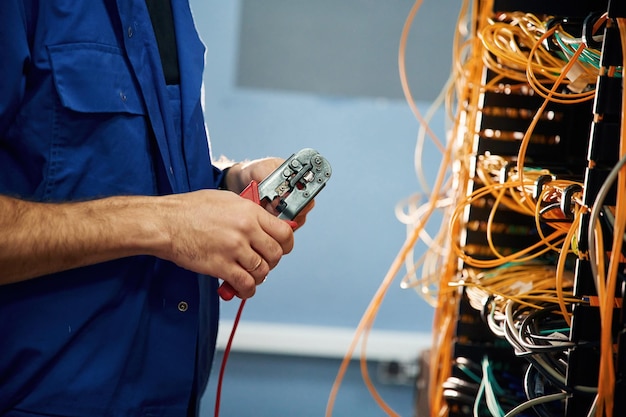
(226, 291)
(252, 192)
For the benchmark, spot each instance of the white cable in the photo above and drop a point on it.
(536, 401)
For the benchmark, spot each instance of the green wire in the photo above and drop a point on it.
(550, 331)
(588, 56)
(492, 389)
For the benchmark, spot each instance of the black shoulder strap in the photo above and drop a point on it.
(163, 24)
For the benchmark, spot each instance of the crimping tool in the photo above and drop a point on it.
(295, 183)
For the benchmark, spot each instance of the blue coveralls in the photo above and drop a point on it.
(85, 113)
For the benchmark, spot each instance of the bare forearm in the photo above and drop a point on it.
(211, 232)
(40, 238)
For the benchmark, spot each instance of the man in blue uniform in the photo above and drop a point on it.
(110, 221)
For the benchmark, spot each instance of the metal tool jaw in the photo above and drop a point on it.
(289, 189)
(296, 182)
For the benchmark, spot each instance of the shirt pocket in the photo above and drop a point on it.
(99, 137)
(94, 78)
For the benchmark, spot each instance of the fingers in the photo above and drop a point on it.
(259, 270)
(242, 173)
(277, 231)
(301, 217)
(256, 265)
(242, 284)
(263, 250)
(220, 234)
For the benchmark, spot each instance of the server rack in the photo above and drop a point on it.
(577, 142)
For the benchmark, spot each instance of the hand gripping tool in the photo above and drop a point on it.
(293, 184)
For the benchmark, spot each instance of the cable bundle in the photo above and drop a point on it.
(512, 194)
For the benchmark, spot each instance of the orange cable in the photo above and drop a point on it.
(370, 312)
(368, 382)
(528, 134)
(403, 77)
(606, 377)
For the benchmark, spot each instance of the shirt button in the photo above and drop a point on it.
(130, 31)
(171, 170)
(123, 96)
(183, 306)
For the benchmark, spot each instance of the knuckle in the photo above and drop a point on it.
(246, 223)
(286, 246)
(263, 270)
(253, 261)
(274, 255)
(273, 264)
(247, 288)
(243, 283)
(276, 252)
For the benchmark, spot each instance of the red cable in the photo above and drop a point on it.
(227, 292)
(225, 359)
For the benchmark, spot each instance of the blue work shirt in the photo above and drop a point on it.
(85, 113)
